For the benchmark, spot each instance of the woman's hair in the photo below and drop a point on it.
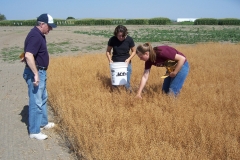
(120, 28)
(147, 47)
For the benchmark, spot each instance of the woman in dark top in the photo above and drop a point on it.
(159, 56)
(121, 44)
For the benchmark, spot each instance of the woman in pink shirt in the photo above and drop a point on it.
(160, 56)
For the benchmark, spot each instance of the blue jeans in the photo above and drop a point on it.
(174, 85)
(129, 73)
(37, 100)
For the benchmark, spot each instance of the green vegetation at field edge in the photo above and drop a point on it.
(11, 54)
(180, 35)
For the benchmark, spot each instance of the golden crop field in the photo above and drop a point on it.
(101, 123)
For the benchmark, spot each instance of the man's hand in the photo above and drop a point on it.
(36, 82)
(22, 60)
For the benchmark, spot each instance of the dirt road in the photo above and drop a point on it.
(14, 139)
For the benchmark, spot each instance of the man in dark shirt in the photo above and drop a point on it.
(37, 60)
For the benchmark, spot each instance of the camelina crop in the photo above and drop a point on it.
(105, 123)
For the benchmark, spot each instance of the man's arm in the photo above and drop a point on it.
(31, 63)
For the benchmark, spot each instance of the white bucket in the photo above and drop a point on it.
(118, 73)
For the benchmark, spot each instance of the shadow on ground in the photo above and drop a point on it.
(24, 114)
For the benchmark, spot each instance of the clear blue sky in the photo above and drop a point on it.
(172, 9)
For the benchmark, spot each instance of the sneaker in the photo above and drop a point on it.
(48, 126)
(39, 136)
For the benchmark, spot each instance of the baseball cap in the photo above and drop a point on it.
(46, 18)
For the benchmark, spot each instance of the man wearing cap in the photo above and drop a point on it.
(35, 75)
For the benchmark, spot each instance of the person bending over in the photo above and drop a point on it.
(163, 56)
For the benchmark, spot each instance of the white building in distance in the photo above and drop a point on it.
(186, 19)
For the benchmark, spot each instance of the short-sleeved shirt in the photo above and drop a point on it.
(163, 54)
(35, 43)
(121, 48)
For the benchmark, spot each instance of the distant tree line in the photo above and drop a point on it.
(71, 21)
(70, 18)
(213, 21)
(2, 17)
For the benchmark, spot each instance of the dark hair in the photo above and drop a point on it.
(122, 29)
